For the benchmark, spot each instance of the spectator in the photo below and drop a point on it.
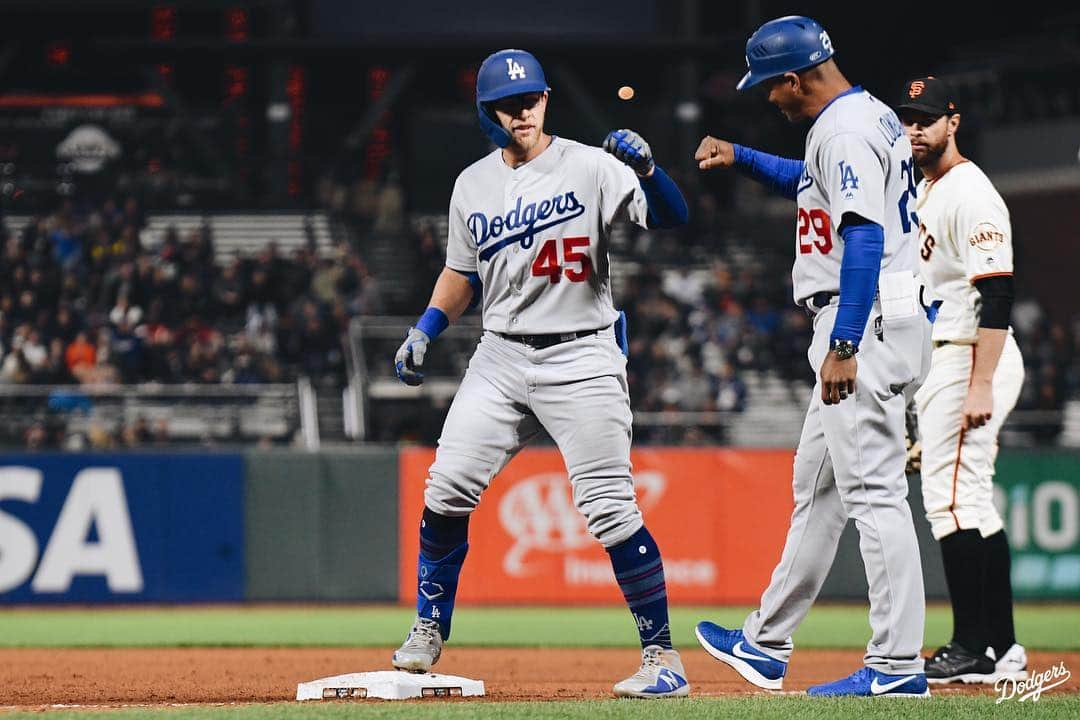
(34, 350)
(15, 370)
(228, 294)
(80, 356)
(731, 392)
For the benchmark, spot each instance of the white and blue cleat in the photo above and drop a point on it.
(868, 682)
(661, 675)
(732, 648)
(421, 649)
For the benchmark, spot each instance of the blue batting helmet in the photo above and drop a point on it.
(505, 73)
(787, 44)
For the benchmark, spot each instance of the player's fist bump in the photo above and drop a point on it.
(714, 153)
(410, 357)
(631, 148)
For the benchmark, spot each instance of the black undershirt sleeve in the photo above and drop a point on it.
(997, 301)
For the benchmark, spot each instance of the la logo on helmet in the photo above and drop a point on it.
(514, 70)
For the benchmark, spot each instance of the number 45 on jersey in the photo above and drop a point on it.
(576, 265)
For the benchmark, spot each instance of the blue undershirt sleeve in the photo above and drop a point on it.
(781, 175)
(477, 287)
(667, 206)
(864, 244)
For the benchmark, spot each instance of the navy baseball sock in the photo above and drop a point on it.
(963, 554)
(443, 546)
(998, 601)
(639, 570)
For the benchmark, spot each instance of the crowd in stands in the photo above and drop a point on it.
(87, 296)
(696, 334)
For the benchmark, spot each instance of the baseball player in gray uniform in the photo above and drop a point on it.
(965, 253)
(854, 272)
(529, 228)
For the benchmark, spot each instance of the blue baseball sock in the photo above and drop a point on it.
(443, 546)
(640, 573)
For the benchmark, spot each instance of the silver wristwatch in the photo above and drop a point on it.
(844, 349)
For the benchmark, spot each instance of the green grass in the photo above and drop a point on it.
(1046, 627)
(1049, 707)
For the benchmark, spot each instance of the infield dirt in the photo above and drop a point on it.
(38, 678)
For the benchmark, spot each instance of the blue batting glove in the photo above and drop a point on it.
(630, 148)
(410, 357)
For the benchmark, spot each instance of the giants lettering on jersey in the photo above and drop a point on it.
(561, 208)
(986, 237)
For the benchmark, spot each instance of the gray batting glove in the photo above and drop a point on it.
(410, 357)
(630, 148)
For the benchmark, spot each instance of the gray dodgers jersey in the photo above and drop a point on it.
(538, 236)
(858, 160)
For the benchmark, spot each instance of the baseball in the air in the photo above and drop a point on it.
(626, 93)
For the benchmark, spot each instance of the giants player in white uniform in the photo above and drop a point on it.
(853, 240)
(975, 377)
(529, 225)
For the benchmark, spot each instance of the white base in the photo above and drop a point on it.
(389, 685)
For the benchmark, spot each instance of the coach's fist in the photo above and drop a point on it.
(714, 153)
(631, 148)
(410, 357)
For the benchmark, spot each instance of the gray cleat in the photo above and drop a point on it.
(421, 648)
(661, 675)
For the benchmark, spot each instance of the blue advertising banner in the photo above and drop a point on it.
(121, 528)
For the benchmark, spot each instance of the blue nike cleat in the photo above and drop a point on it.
(868, 682)
(731, 647)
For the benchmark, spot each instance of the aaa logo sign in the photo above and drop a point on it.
(719, 517)
(538, 512)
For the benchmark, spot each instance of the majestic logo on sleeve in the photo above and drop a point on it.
(522, 223)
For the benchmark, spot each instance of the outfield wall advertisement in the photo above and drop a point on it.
(1039, 499)
(121, 528)
(342, 526)
(720, 517)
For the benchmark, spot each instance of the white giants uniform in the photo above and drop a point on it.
(964, 236)
(538, 236)
(851, 456)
